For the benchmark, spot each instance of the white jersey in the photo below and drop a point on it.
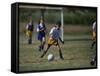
(94, 26)
(27, 27)
(55, 33)
(39, 27)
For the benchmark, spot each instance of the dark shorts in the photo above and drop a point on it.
(41, 36)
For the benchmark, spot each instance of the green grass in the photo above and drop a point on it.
(77, 54)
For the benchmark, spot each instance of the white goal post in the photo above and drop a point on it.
(49, 8)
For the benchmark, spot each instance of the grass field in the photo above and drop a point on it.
(76, 52)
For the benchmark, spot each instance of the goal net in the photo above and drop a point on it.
(50, 15)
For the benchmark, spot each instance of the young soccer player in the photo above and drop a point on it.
(93, 34)
(29, 30)
(41, 29)
(93, 61)
(53, 39)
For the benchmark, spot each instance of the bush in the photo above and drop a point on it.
(75, 17)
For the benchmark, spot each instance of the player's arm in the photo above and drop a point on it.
(41, 30)
(60, 37)
(61, 40)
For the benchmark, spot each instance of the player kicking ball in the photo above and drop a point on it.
(53, 39)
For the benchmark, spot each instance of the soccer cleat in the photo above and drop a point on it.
(62, 58)
(92, 62)
(41, 56)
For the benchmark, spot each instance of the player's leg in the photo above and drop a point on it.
(48, 46)
(50, 42)
(93, 43)
(29, 41)
(60, 52)
(30, 37)
(40, 39)
(40, 46)
(43, 43)
(94, 39)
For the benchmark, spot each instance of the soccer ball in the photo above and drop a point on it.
(50, 57)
